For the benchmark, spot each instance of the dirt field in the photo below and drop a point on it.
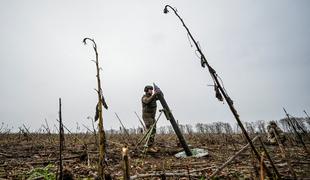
(21, 156)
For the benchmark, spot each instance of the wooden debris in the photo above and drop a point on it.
(126, 174)
(232, 158)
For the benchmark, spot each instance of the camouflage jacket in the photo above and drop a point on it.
(149, 103)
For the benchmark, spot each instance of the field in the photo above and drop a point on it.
(36, 156)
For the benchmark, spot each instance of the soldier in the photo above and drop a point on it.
(271, 138)
(149, 107)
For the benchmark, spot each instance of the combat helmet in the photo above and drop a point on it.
(272, 123)
(146, 88)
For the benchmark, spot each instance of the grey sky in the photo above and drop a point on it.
(259, 48)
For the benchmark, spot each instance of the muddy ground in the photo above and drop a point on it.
(22, 154)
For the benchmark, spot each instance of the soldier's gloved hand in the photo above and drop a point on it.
(156, 93)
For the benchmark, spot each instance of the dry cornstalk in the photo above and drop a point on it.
(141, 122)
(232, 158)
(120, 121)
(61, 138)
(220, 91)
(47, 127)
(125, 158)
(102, 138)
(296, 132)
(284, 153)
(262, 173)
(270, 160)
(94, 130)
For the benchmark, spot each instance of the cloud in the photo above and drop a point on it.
(260, 49)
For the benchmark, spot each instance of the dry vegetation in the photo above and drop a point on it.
(22, 154)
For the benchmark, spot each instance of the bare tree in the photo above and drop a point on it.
(199, 128)
(285, 125)
(227, 127)
(211, 128)
(261, 126)
(249, 127)
(162, 130)
(182, 128)
(170, 130)
(189, 129)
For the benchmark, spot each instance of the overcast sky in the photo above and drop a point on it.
(259, 48)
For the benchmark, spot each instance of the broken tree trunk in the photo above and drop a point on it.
(170, 117)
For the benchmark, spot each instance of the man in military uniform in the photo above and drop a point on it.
(149, 107)
(273, 128)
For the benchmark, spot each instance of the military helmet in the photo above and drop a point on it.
(272, 123)
(147, 88)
